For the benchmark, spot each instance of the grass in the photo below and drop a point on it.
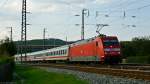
(139, 59)
(37, 76)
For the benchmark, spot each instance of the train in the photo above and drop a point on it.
(99, 49)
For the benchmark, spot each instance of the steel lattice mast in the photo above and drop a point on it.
(23, 30)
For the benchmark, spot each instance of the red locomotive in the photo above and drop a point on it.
(98, 49)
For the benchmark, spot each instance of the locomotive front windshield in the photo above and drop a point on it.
(111, 42)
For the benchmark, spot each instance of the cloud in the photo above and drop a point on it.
(63, 13)
(3, 35)
(55, 5)
(73, 1)
(42, 7)
(49, 5)
(39, 6)
(102, 1)
(32, 6)
(79, 2)
(13, 6)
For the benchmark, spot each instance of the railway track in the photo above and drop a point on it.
(121, 70)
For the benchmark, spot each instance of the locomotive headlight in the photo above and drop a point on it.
(119, 52)
(102, 56)
(106, 52)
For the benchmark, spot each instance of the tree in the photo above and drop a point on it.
(8, 48)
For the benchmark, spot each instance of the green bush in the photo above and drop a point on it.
(139, 59)
(8, 48)
(5, 59)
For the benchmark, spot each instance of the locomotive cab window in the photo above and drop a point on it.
(110, 42)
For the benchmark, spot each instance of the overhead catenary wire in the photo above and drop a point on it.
(144, 7)
(117, 10)
(126, 10)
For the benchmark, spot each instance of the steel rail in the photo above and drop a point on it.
(109, 70)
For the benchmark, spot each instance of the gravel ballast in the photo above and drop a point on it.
(93, 78)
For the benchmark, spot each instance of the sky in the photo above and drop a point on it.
(126, 19)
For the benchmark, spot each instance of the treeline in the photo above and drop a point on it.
(34, 45)
(139, 48)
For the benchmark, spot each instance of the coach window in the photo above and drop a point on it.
(37, 55)
(47, 54)
(65, 51)
(62, 51)
(52, 53)
(59, 52)
(55, 52)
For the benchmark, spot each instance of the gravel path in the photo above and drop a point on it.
(96, 78)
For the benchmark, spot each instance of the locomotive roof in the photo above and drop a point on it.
(83, 41)
(90, 39)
